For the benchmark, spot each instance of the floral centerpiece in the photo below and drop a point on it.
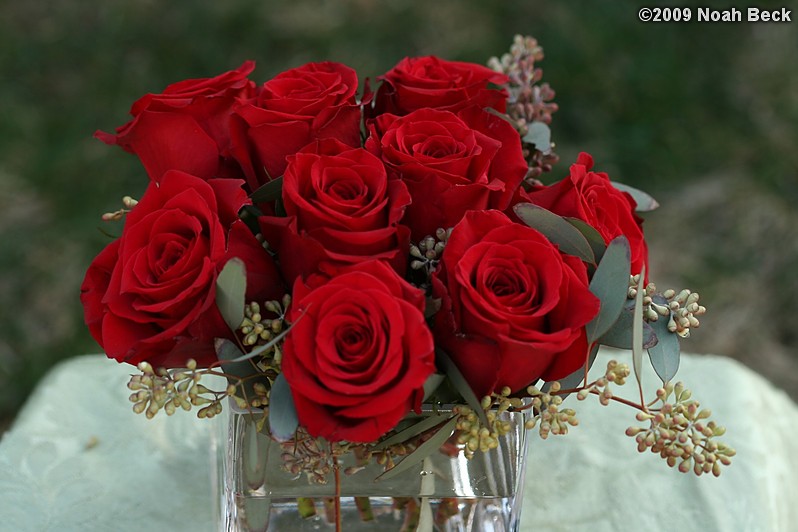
(383, 277)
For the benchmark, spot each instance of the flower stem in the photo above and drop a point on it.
(337, 501)
(587, 361)
(364, 508)
(306, 507)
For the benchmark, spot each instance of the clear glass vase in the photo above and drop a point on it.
(445, 492)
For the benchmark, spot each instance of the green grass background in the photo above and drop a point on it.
(703, 116)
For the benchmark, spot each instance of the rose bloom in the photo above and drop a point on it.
(314, 101)
(187, 126)
(591, 197)
(358, 353)
(151, 294)
(341, 209)
(429, 82)
(514, 308)
(450, 163)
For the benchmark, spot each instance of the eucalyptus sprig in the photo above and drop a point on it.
(679, 431)
(170, 389)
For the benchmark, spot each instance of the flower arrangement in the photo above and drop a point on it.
(342, 260)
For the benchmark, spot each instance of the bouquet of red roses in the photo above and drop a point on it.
(342, 258)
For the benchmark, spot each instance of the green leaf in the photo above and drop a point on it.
(620, 334)
(433, 305)
(279, 208)
(249, 215)
(645, 203)
(445, 363)
(423, 451)
(230, 356)
(637, 329)
(231, 287)
(664, 355)
(503, 116)
(261, 348)
(283, 420)
(432, 383)
(592, 236)
(557, 230)
(538, 134)
(271, 191)
(413, 430)
(610, 284)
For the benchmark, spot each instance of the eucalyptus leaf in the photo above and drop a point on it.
(664, 355)
(539, 134)
(592, 236)
(231, 287)
(645, 203)
(249, 215)
(230, 356)
(426, 522)
(271, 191)
(265, 347)
(422, 451)
(423, 425)
(620, 334)
(432, 306)
(432, 383)
(610, 284)
(569, 239)
(279, 208)
(637, 329)
(445, 363)
(503, 116)
(283, 420)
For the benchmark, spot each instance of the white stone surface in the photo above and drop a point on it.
(78, 459)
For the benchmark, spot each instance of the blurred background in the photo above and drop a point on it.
(702, 116)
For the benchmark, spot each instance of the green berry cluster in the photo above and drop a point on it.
(473, 434)
(257, 328)
(553, 419)
(427, 254)
(679, 433)
(616, 373)
(681, 309)
(161, 389)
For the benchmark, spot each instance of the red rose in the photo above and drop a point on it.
(591, 197)
(150, 295)
(429, 82)
(513, 307)
(314, 101)
(358, 358)
(341, 209)
(187, 126)
(450, 162)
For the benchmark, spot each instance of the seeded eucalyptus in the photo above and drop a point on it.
(258, 329)
(679, 433)
(426, 255)
(127, 205)
(159, 389)
(681, 309)
(530, 105)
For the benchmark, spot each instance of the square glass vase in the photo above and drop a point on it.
(444, 492)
